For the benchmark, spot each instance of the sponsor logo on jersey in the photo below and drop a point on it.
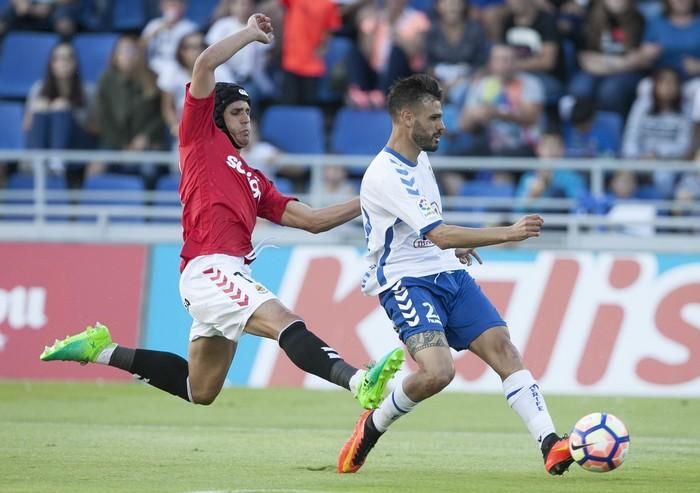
(422, 243)
(237, 164)
(260, 288)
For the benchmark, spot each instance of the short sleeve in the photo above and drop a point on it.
(333, 20)
(272, 203)
(397, 193)
(651, 31)
(197, 118)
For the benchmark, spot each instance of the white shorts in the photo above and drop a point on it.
(220, 295)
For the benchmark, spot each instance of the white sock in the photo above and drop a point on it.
(355, 380)
(392, 408)
(524, 397)
(105, 354)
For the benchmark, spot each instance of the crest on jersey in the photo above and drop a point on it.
(426, 208)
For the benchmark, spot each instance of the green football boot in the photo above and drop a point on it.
(83, 347)
(370, 391)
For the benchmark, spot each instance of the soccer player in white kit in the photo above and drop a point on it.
(418, 275)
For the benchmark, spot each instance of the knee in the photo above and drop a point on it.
(204, 397)
(436, 379)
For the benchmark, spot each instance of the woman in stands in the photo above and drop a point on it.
(57, 106)
(658, 128)
(610, 58)
(174, 76)
(127, 109)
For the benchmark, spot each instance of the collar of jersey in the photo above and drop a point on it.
(399, 157)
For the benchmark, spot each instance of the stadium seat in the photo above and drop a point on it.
(360, 132)
(605, 134)
(167, 183)
(200, 11)
(336, 55)
(131, 185)
(479, 188)
(128, 15)
(25, 181)
(284, 185)
(295, 129)
(94, 51)
(424, 5)
(23, 59)
(11, 134)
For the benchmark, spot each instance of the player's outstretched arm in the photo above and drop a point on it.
(447, 236)
(259, 28)
(301, 216)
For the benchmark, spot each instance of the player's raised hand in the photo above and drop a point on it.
(261, 25)
(465, 255)
(526, 227)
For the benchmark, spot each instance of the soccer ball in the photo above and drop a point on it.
(599, 442)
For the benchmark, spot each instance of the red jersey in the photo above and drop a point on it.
(221, 195)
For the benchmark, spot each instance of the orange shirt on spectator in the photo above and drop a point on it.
(306, 25)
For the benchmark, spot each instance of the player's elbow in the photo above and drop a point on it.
(204, 62)
(438, 236)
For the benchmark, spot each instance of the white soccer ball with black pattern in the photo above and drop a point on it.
(599, 442)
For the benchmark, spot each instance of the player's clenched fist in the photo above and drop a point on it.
(262, 26)
(526, 227)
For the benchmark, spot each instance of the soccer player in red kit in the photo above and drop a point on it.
(222, 197)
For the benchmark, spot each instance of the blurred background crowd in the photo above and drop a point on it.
(551, 79)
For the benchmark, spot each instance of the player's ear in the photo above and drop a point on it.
(406, 117)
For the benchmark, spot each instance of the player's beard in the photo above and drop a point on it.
(424, 139)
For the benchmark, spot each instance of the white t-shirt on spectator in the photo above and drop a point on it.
(162, 47)
(244, 64)
(173, 77)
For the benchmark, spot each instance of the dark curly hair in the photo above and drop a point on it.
(227, 93)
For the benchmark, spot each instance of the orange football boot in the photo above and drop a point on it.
(355, 450)
(557, 458)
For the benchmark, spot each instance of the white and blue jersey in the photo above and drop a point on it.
(421, 287)
(400, 205)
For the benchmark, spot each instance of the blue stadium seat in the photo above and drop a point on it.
(605, 135)
(424, 5)
(167, 183)
(360, 132)
(25, 181)
(480, 188)
(200, 11)
(284, 185)
(94, 51)
(113, 182)
(23, 59)
(336, 54)
(11, 134)
(128, 15)
(296, 129)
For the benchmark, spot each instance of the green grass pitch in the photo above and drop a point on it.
(87, 437)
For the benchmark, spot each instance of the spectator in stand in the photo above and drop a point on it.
(307, 26)
(57, 109)
(391, 45)
(582, 138)
(25, 15)
(456, 48)
(172, 80)
(569, 15)
(161, 35)
(659, 128)
(127, 108)
(610, 59)
(673, 39)
(532, 31)
(550, 182)
(504, 108)
(247, 67)
(490, 14)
